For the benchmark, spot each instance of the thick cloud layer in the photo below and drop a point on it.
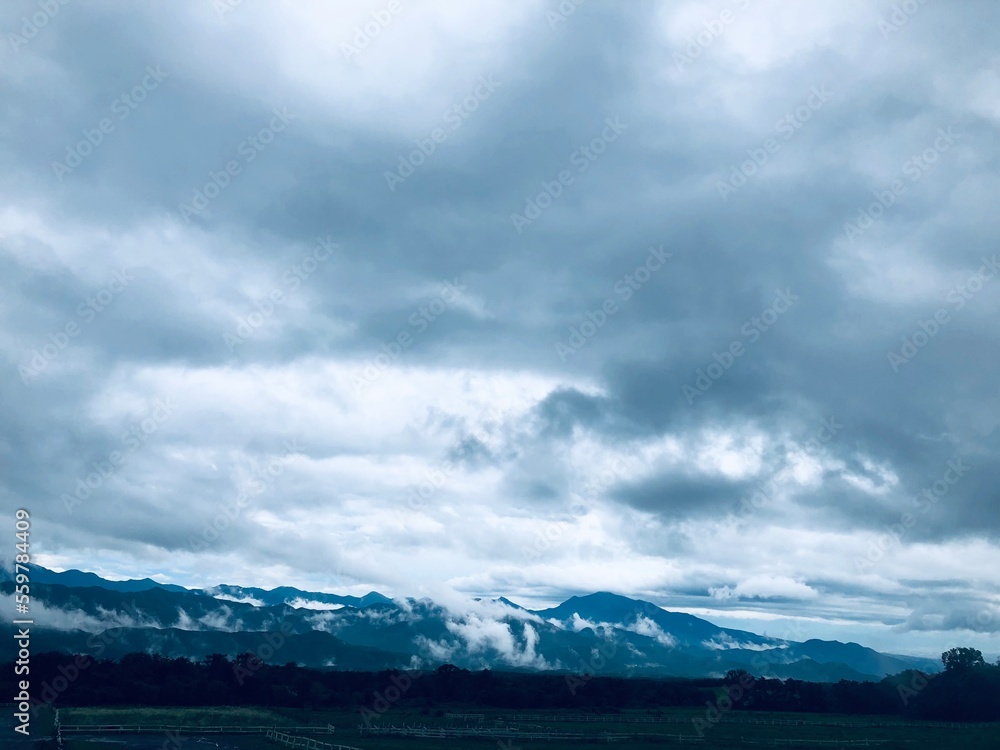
(690, 301)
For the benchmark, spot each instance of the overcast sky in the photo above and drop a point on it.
(695, 302)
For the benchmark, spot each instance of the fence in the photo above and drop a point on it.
(729, 719)
(779, 742)
(162, 728)
(503, 733)
(304, 742)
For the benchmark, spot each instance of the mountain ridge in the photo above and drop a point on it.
(602, 631)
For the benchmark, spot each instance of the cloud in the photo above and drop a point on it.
(765, 587)
(239, 600)
(481, 635)
(221, 619)
(724, 641)
(476, 459)
(59, 618)
(301, 603)
(644, 626)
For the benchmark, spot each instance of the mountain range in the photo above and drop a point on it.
(601, 633)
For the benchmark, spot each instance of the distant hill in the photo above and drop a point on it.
(80, 579)
(600, 633)
(287, 595)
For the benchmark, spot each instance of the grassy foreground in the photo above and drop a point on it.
(674, 728)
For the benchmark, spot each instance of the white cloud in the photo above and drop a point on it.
(238, 599)
(766, 587)
(645, 626)
(481, 635)
(301, 603)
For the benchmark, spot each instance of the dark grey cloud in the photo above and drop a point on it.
(683, 497)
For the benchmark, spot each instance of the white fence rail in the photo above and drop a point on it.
(161, 728)
(308, 743)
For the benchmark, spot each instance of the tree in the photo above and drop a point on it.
(962, 658)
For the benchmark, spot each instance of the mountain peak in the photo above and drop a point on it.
(509, 603)
(601, 606)
(403, 632)
(607, 596)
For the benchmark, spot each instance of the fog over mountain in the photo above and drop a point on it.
(691, 303)
(601, 633)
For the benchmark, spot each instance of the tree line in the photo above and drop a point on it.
(968, 689)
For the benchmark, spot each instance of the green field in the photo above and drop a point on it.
(197, 717)
(505, 729)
